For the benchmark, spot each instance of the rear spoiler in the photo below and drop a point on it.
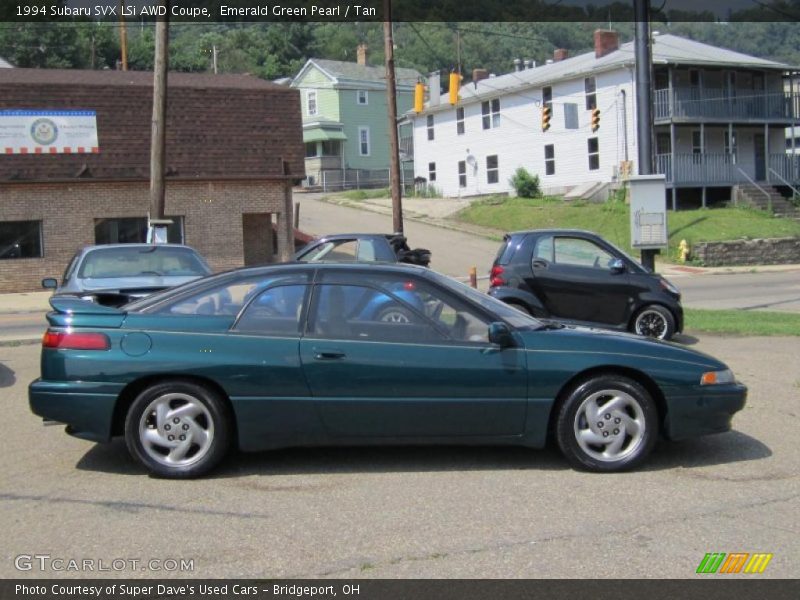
(77, 306)
(71, 311)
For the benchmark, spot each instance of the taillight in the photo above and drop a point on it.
(495, 276)
(68, 340)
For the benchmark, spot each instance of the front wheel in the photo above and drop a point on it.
(178, 429)
(608, 423)
(654, 321)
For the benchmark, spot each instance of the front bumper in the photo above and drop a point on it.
(708, 411)
(86, 408)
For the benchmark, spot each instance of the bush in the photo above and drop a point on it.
(526, 185)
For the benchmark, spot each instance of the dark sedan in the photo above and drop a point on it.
(578, 277)
(318, 354)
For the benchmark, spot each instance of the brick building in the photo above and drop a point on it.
(234, 146)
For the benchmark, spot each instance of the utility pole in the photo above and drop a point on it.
(214, 57)
(391, 103)
(159, 129)
(123, 36)
(644, 97)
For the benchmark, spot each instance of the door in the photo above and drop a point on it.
(394, 356)
(573, 278)
(759, 157)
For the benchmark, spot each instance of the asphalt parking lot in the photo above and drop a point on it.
(412, 512)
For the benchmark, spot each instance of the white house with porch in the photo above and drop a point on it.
(720, 120)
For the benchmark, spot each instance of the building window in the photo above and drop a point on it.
(490, 111)
(590, 88)
(20, 239)
(363, 97)
(311, 149)
(492, 170)
(694, 78)
(430, 127)
(460, 120)
(432, 171)
(571, 115)
(663, 143)
(594, 154)
(550, 159)
(133, 230)
(547, 97)
(311, 103)
(731, 84)
(462, 173)
(363, 141)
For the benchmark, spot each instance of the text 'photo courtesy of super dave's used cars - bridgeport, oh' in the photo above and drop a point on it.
(305, 354)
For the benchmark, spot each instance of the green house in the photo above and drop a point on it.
(345, 123)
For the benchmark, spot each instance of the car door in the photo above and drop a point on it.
(573, 278)
(395, 356)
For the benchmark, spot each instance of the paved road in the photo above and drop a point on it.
(425, 512)
(747, 291)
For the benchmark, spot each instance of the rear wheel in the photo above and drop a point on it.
(608, 423)
(654, 321)
(520, 307)
(178, 429)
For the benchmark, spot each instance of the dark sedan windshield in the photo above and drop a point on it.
(137, 261)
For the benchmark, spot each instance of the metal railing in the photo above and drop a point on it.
(786, 167)
(795, 193)
(700, 169)
(759, 188)
(718, 104)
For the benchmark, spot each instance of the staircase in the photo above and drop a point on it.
(750, 195)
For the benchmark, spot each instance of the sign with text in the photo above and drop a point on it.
(48, 132)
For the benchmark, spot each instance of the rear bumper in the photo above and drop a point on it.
(86, 408)
(709, 411)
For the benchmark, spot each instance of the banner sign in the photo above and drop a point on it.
(48, 132)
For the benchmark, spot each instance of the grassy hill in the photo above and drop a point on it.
(612, 221)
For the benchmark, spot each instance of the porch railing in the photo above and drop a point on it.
(723, 169)
(786, 168)
(717, 104)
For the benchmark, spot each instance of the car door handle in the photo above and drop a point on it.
(329, 355)
(539, 264)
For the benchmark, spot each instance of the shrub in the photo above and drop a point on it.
(526, 185)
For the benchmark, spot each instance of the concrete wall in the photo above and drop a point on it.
(748, 252)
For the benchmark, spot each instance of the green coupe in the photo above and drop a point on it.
(321, 354)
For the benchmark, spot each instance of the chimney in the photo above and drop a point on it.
(560, 54)
(605, 42)
(478, 74)
(517, 64)
(361, 54)
(434, 88)
(530, 63)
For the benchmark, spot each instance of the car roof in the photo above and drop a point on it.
(555, 231)
(339, 236)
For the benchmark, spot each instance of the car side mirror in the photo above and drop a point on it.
(49, 283)
(500, 334)
(617, 265)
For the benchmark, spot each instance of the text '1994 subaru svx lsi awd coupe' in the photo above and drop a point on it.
(347, 354)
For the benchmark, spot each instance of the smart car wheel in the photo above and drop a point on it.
(654, 321)
(608, 423)
(178, 429)
(395, 314)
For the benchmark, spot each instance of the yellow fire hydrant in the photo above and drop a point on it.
(683, 249)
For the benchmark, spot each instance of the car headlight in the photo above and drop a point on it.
(669, 286)
(717, 377)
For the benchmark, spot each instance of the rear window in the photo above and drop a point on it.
(507, 249)
(138, 261)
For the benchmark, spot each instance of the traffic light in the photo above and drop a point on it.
(595, 119)
(455, 83)
(547, 112)
(419, 97)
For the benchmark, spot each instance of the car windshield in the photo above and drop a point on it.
(511, 315)
(138, 261)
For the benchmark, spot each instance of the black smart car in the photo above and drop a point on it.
(580, 278)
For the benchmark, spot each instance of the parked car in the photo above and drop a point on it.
(578, 277)
(363, 247)
(299, 355)
(115, 274)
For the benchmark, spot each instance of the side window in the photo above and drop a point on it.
(276, 311)
(339, 250)
(228, 299)
(581, 253)
(544, 249)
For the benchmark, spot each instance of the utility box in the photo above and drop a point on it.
(648, 211)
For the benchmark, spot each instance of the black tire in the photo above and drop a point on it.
(630, 425)
(520, 307)
(654, 321)
(200, 429)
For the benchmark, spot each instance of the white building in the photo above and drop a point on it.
(4, 64)
(720, 120)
